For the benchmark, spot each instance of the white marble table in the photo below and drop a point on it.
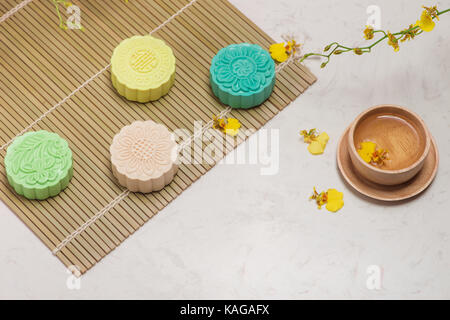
(257, 236)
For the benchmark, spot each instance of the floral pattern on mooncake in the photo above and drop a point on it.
(242, 75)
(143, 156)
(39, 164)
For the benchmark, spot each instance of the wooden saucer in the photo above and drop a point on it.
(402, 191)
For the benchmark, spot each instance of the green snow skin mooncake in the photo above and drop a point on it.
(39, 165)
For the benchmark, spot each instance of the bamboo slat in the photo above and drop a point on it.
(41, 65)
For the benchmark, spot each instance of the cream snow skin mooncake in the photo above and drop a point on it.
(144, 156)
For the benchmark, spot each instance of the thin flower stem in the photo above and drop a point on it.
(375, 43)
(58, 13)
(375, 31)
(406, 31)
(394, 37)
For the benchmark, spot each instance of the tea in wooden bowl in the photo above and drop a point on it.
(388, 144)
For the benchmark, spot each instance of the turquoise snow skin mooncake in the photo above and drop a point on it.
(242, 75)
(39, 165)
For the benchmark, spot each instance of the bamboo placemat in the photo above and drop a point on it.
(59, 81)
(8, 5)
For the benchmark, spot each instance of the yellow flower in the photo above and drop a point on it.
(228, 126)
(309, 136)
(369, 153)
(292, 47)
(232, 127)
(335, 200)
(321, 198)
(218, 123)
(278, 52)
(318, 145)
(379, 156)
(426, 22)
(323, 138)
(316, 148)
(432, 11)
(368, 33)
(393, 41)
(409, 35)
(366, 150)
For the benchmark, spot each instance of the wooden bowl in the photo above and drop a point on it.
(396, 129)
(404, 191)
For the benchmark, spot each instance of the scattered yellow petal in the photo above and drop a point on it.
(335, 200)
(316, 148)
(323, 138)
(278, 52)
(228, 126)
(232, 127)
(317, 143)
(369, 153)
(426, 22)
(366, 150)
